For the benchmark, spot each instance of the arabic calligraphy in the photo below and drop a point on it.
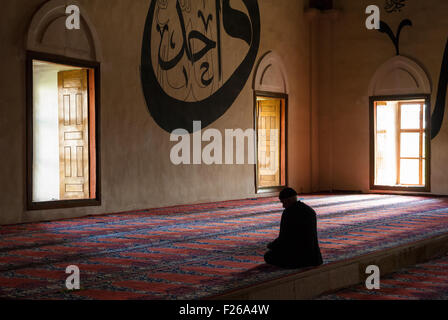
(189, 56)
(442, 91)
(394, 5)
(196, 57)
(385, 28)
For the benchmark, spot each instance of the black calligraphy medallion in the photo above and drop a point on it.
(197, 55)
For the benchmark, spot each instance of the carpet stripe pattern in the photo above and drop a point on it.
(198, 251)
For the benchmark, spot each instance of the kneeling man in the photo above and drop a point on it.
(297, 245)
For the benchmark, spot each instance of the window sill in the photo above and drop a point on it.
(424, 189)
(269, 190)
(66, 204)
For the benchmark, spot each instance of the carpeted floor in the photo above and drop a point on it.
(198, 251)
(426, 281)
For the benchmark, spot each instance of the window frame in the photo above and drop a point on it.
(60, 204)
(421, 131)
(404, 99)
(274, 95)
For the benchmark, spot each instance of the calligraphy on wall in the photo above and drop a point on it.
(440, 104)
(394, 5)
(197, 55)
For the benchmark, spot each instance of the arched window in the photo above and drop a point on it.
(400, 127)
(63, 97)
(271, 104)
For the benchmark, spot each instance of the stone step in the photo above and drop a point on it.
(331, 277)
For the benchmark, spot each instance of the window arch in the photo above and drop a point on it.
(399, 76)
(270, 74)
(47, 33)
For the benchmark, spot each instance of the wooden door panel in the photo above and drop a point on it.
(73, 134)
(269, 153)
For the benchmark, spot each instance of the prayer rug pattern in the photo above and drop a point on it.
(198, 251)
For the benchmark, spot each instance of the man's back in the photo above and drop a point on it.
(301, 227)
(297, 243)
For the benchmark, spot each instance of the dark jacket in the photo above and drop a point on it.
(297, 240)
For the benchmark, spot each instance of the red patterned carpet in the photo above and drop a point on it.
(426, 281)
(198, 251)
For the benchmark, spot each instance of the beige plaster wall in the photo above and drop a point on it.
(136, 169)
(357, 53)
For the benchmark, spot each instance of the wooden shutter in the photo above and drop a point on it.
(73, 135)
(269, 152)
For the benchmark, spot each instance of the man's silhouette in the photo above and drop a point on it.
(297, 245)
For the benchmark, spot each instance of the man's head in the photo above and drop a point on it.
(288, 197)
